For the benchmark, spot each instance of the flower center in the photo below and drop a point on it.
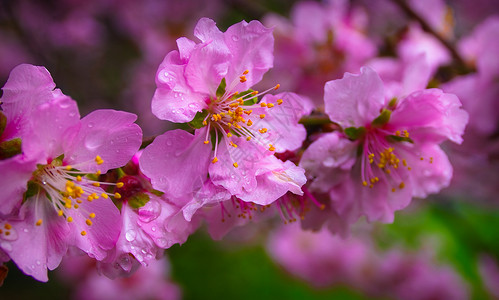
(230, 115)
(68, 189)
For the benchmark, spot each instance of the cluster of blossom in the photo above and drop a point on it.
(353, 135)
(323, 260)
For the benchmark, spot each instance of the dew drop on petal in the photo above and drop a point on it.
(94, 140)
(153, 229)
(6, 246)
(161, 242)
(90, 125)
(235, 38)
(130, 235)
(38, 262)
(150, 212)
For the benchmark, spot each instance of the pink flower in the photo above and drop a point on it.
(233, 146)
(388, 151)
(320, 42)
(63, 204)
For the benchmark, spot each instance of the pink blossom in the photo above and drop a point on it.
(62, 206)
(388, 151)
(236, 137)
(320, 42)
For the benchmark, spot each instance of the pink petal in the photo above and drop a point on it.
(16, 172)
(439, 116)
(176, 162)
(251, 45)
(354, 100)
(174, 99)
(108, 133)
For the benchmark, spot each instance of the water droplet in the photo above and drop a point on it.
(166, 77)
(153, 229)
(161, 243)
(150, 212)
(6, 246)
(149, 256)
(32, 266)
(143, 251)
(90, 125)
(174, 111)
(235, 38)
(176, 95)
(179, 152)
(181, 110)
(25, 230)
(38, 262)
(169, 143)
(130, 235)
(72, 114)
(192, 105)
(111, 142)
(94, 140)
(44, 182)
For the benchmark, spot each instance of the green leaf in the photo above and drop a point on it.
(138, 200)
(249, 101)
(3, 123)
(221, 88)
(32, 189)
(355, 133)
(10, 148)
(197, 122)
(382, 119)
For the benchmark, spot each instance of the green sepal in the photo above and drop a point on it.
(392, 103)
(32, 189)
(221, 88)
(197, 122)
(355, 133)
(10, 148)
(250, 101)
(120, 173)
(394, 138)
(382, 119)
(138, 200)
(3, 123)
(157, 193)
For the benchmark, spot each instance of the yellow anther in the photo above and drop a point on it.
(248, 112)
(421, 158)
(262, 116)
(79, 201)
(263, 130)
(246, 72)
(235, 165)
(90, 198)
(371, 186)
(104, 195)
(215, 159)
(89, 223)
(76, 206)
(92, 215)
(397, 133)
(205, 123)
(393, 189)
(229, 134)
(235, 104)
(373, 180)
(388, 171)
(39, 222)
(270, 105)
(120, 184)
(409, 168)
(248, 138)
(69, 219)
(233, 145)
(404, 162)
(364, 183)
(249, 123)
(78, 178)
(68, 167)
(98, 172)
(95, 196)
(7, 226)
(406, 133)
(99, 160)
(271, 148)
(277, 86)
(206, 142)
(117, 195)
(254, 93)
(83, 233)
(242, 79)
(401, 185)
(263, 104)
(60, 212)
(279, 101)
(229, 125)
(96, 184)
(431, 160)
(222, 114)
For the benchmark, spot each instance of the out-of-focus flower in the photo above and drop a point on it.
(63, 204)
(319, 43)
